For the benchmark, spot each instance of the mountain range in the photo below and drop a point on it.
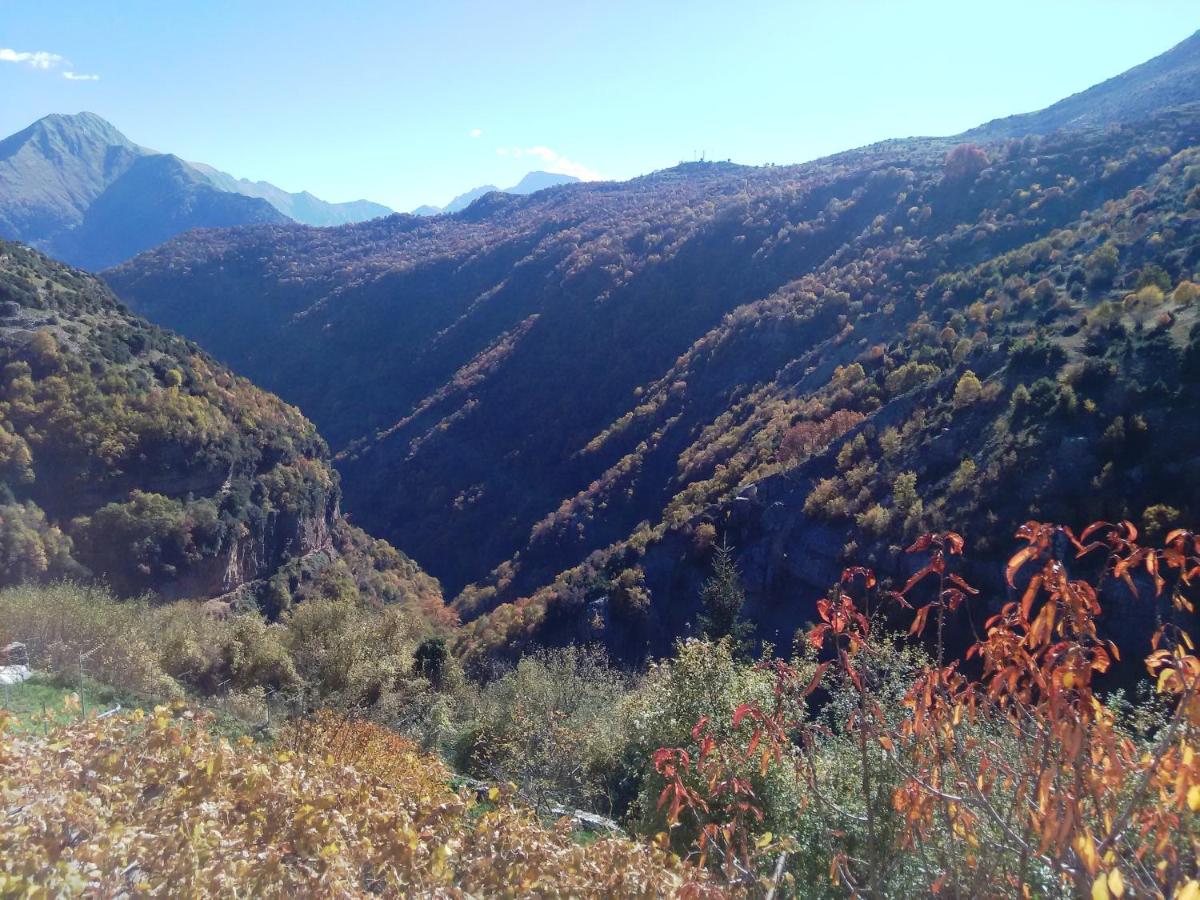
(77, 188)
(531, 183)
(558, 402)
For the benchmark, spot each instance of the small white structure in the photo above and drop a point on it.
(14, 674)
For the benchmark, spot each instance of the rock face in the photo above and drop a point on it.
(129, 455)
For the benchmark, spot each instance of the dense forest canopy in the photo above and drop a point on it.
(557, 403)
(129, 455)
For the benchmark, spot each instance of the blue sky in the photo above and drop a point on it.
(408, 103)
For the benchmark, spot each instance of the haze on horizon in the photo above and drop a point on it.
(414, 105)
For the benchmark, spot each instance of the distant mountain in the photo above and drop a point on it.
(76, 188)
(156, 198)
(1169, 80)
(302, 207)
(559, 403)
(532, 182)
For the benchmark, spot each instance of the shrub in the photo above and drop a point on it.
(1186, 293)
(967, 390)
(1100, 267)
(339, 808)
(552, 726)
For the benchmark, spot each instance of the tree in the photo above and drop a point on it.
(967, 390)
(429, 659)
(723, 597)
(965, 162)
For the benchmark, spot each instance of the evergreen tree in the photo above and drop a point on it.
(723, 597)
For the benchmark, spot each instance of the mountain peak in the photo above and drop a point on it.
(529, 184)
(85, 125)
(1169, 80)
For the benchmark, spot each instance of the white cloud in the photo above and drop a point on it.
(552, 161)
(475, 132)
(38, 59)
(75, 76)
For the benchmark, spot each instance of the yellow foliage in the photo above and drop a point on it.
(157, 804)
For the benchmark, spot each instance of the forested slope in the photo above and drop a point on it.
(558, 403)
(128, 454)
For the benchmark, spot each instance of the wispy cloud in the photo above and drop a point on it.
(475, 132)
(41, 59)
(552, 161)
(38, 59)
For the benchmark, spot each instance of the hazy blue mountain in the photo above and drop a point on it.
(303, 207)
(156, 198)
(52, 171)
(73, 186)
(532, 182)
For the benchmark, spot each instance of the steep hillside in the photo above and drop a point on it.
(1170, 79)
(156, 198)
(558, 403)
(51, 172)
(128, 454)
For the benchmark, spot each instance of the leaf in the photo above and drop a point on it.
(1031, 592)
(1018, 559)
(740, 713)
(921, 543)
(494, 794)
(1100, 888)
(1193, 798)
(908, 585)
(816, 679)
(764, 840)
(1175, 535)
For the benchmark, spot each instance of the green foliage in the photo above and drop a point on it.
(722, 598)
(1100, 267)
(967, 390)
(554, 727)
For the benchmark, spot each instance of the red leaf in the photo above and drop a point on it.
(741, 712)
(1031, 592)
(1018, 559)
(816, 679)
(908, 585)
(921, 543)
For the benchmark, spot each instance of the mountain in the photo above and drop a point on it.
(302, 207)
(530, 183)
(559, 403)
(156, 198)
(128, 454)
(1170, 79)
(78, 189)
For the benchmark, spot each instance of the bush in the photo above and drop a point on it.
(553, 727)
(339, 808)
(967, 390)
